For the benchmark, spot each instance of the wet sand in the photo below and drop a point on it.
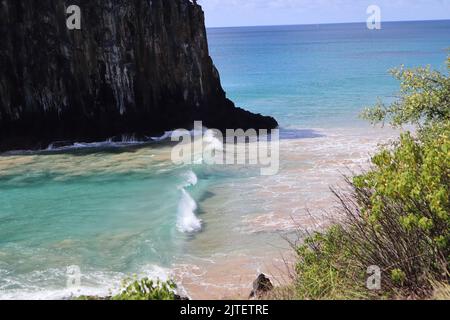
(246, 219)
(249, 220)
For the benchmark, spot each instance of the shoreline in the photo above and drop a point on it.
(252, 239)
(287, 202)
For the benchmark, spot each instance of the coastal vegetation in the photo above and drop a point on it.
(396, 215)
(142, 289)
(146, 289)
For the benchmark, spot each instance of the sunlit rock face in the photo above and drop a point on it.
(135, 67)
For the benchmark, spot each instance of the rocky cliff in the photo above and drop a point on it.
(136, 66)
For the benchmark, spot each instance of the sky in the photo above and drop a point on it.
(227, 13)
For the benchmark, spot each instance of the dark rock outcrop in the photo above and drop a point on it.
(136, 66)
(261, 286)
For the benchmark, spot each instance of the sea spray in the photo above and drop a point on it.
(191, 179)
(187, 220)
(47, 284)
(114, 142)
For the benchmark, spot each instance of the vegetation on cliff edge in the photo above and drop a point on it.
(142, 289)
(396, 216)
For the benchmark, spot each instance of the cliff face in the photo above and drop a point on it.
(136, 66)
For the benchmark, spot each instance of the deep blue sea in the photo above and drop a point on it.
(322, 75)
(117, 211)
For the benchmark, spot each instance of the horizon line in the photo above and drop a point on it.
(321, 23)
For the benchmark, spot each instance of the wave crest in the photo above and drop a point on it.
(187, 221)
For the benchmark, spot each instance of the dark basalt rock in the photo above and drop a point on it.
(180, 298)
(136, 67)
(261, 286)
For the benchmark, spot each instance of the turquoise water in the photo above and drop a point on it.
(114, 211)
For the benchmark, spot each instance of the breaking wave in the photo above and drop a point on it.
(187, 221)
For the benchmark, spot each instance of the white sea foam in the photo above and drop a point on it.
(212, 142)
(191, 178)
(125, 140)
(165, 136)
(49, 284)
(187, 221)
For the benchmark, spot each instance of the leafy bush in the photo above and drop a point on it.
(325, 269)
(147, 289)
(144, 289)
(399, 212)
(424, 99)
(397, 215)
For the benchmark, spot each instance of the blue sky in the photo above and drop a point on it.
(221, 13)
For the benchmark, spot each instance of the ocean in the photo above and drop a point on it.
(115, 210)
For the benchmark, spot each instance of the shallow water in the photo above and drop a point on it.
(119, 210)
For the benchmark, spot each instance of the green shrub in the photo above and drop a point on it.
(398, 276)
(397, 215)
(325, 269)
(146, 289)
(424, 99)
(405, 197)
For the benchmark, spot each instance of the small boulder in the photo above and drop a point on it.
(261, 286)
(180, 298)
